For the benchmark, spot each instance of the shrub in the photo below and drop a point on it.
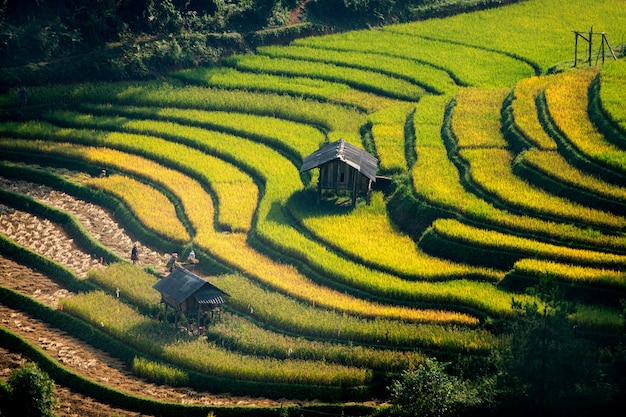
(33, 390)
(429, 391)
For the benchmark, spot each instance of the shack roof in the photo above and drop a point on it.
(343, 151)
(181, 284)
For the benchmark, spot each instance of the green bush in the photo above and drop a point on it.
(33, 390)
(429, 391)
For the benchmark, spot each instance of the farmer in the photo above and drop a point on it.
(134, 254)
(171, 263)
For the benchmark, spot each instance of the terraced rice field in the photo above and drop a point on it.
(500, 174)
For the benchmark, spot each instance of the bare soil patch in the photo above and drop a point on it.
(97, 221)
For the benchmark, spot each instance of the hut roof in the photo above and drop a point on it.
(341, 150)
(181, 284)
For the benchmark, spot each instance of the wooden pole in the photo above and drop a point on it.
(600, 52)
(576, 49)
(590, 45)
(605, 39)
(355, 175)
(319, 186)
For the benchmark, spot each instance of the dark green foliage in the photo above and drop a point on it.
(281, 35)
(351, 14)
(429, 391)
(548, 367)
(356, 14)
(33, 391)
(5, 397)
(62, 41)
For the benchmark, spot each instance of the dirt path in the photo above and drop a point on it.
(71, 404)
(296, 13)
(49, 240)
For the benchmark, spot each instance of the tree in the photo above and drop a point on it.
(429, 391)
(547, 367)
(31, 389)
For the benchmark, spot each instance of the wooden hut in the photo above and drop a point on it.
(343, 167)
(189, 294)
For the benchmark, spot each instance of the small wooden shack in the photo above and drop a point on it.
(189, 294)
(343, 167)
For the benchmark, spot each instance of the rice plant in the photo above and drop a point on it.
(525, 112)
(303, 87)
(466, 65)
(166, 342)
(432, 79)
(555, 166)
(297, 138)
(438, 181)
(537, 32)
(476, 118)
(612, 84)
(151, 207)
(603, 277)
(492, 171)
(480, 238)
(567, 100)
(367, 80)
(346, 230)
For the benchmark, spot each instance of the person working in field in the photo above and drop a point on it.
(134, 254)
(171, 263)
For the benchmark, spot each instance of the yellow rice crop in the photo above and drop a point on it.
(492, 170)
(567, 99)
(573, 273)
(236, 192)
(197, 204)
(556, 166)
(476, 118)
(389, 141)
(151, 207)
(525, 111)
(233, 248)
(435, 178)
(384, 246)
(491, 239)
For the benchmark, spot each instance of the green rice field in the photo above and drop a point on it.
(493, 171)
